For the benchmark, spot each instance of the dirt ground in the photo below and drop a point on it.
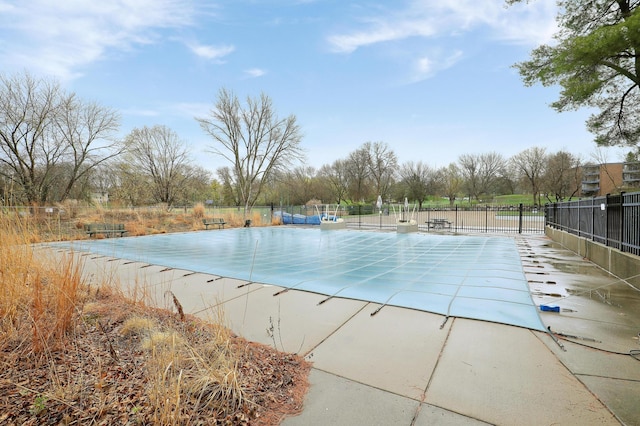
(100, 375)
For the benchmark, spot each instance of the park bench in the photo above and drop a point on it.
(216, 221)
(439, 223)
(107, 229)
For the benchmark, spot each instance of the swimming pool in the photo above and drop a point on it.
(478, 277)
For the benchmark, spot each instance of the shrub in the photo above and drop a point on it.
(198, 211)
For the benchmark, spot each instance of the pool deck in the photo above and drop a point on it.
(407, 367)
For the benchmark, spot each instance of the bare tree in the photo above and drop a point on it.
(104, 178)
(531, 165)
(87, 130)
(563, 178)
(159, 153)
(608, 178)
(27, 113)
(418, 181)
(49, 139)
(481, 172)
(492, 169)
(196, 186)
(359, 174)
(451, 182)
(299, 183)
(129, 185)
(229, 191)
(382, 167)
(253, 139)
(334, 179)
(470, 168)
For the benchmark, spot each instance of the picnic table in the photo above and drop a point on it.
(439, 223)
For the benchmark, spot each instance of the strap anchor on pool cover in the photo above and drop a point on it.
(555, 339)
(446, 318)
(325, 300)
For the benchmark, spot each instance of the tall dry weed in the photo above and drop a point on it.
(180, 369)
(38, 295)
(16, 258)
(184, 372)
(198, 211)
(256, 218)
(237, 219)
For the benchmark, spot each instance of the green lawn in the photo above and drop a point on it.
(512, 200)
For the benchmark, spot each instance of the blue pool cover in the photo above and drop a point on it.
(478, 277)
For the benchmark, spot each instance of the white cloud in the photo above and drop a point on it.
(6, 7)
(190, 109)
(183, 110)
(141, 112)
(60, 37)
(210, 52)
(535, 25)
(379, 32)
(532, 23)
(426, 67)
(255, 72)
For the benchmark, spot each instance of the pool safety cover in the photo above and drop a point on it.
(478, 277)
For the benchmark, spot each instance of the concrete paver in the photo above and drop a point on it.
(292, 321)
(430, 415)
(334, 400)
(119, 272)
(589, 362)
(621, 396)
(506, 375)
(200, 293)
(396, 349)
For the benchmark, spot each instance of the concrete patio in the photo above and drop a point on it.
(407, 367)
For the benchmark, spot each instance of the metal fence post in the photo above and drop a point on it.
(622, 222)
(456, 225)
(486, 218)
(579, 225)
(593, 220)
(520, 209)
(606, 221)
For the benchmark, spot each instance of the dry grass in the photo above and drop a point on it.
(32, 288)
(138, 222)
(237, 219)
(198, 211)
(73, 353)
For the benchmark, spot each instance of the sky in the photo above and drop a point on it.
(432, 79)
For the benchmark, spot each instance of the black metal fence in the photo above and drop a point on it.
(523, 219)
(613, 220)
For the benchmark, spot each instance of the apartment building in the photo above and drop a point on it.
(610, 178)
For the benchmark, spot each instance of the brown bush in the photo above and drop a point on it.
(198, 211)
